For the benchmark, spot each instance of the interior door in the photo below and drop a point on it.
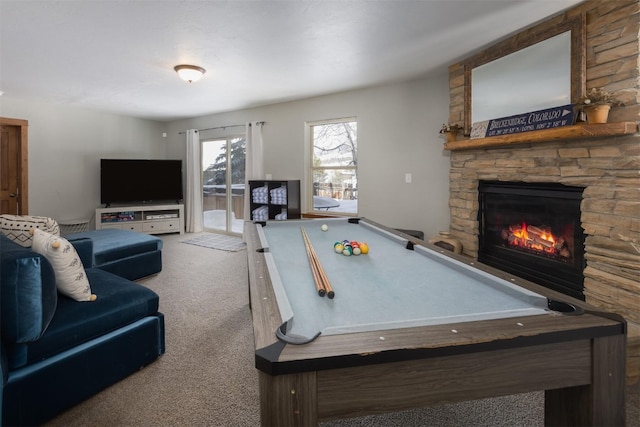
(13, 167)
(223, 173)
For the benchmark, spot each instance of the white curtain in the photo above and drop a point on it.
(193, 199)
(253, 161)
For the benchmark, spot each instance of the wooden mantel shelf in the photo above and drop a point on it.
(546, 135)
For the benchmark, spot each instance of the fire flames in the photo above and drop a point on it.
(537, 239)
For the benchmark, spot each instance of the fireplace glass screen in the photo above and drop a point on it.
(533, 231)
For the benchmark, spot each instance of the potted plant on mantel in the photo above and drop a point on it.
(596, 104)
(450, 131)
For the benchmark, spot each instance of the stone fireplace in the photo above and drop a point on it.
(607, 169)
(532, 230)
(602, 160)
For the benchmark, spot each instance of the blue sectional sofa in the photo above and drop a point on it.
(55, 351)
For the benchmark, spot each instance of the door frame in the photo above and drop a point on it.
(23, 162)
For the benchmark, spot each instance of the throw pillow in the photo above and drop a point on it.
(71, 279)
(18, 227)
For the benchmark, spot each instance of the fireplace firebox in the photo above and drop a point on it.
(532, 230)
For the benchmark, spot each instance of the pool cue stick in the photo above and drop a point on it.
(316, 278)
(316, 267)
(327, 285)
(314, 270)
(314, 257)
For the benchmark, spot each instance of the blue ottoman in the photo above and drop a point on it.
(126, 253)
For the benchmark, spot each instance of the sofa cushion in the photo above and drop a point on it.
(120, 302)
(126, 253)
(7, 244)
(18, 227)
(71, 279)
(113, 244)
(28, 295)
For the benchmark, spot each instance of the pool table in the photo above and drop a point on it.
(413, 325)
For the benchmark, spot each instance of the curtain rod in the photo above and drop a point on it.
(221, 127)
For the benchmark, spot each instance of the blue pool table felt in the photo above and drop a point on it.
(390, 287)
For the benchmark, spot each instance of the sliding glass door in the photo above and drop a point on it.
(223, 163)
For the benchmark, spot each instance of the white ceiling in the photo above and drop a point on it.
(118, 55)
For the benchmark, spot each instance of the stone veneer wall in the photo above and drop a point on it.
(607, 167)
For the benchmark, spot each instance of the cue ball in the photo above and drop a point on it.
(324, 227)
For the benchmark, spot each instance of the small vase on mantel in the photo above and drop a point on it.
(596, 103)
(597, 113)
(450, 131)
(451, 136)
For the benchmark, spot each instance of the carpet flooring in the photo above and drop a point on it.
(207, 375)
(217, 241)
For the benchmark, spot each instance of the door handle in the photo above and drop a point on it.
(13, 195)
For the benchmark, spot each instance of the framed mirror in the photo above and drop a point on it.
(495, 82)
(557, 36)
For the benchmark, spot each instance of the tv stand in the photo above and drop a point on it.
(150, 219)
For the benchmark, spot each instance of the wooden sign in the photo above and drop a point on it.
(536, 120)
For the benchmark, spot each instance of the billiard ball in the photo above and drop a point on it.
(356, 250)
(338, 247)
(324, 227)
(364, 248)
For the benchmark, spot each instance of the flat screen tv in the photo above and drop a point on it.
(140, 181)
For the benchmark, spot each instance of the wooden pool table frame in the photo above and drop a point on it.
(579, 360)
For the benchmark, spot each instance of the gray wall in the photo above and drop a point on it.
(397, 134)
(398, 128)
(65, 147)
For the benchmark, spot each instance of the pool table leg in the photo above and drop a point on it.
(288, 400)
(600, 403)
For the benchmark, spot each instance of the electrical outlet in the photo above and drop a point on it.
(407, 178)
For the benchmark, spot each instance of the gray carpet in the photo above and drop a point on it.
(207, 376)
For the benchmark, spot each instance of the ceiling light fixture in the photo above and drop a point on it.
(189, 73)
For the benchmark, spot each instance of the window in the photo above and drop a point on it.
(334, 166)
(223, 163)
